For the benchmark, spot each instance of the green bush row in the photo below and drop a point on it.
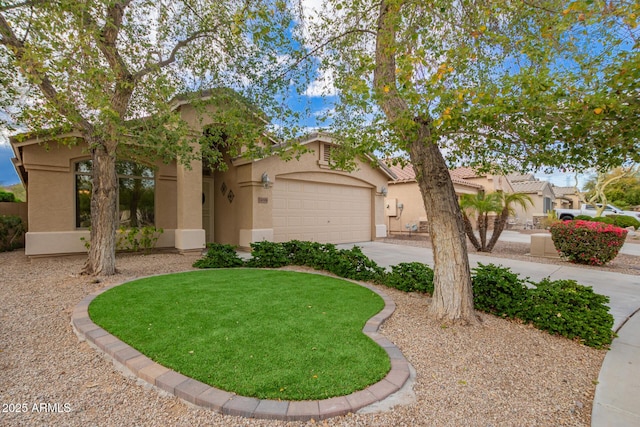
(623, 221)
(561, 307)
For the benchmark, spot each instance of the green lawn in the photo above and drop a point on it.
(259, 333)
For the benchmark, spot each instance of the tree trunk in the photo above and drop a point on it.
(468, 228)
(452, 300)
(483, 225)
(102, 254)
(498, 226)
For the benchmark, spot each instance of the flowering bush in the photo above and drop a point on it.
(588, 242)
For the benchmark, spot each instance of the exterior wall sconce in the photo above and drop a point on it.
(383, 191)
(266, 182)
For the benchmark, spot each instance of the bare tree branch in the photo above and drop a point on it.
(172, 56)
(108, 36)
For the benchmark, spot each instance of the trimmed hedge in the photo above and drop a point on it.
(623, 221)
(219, 256)
(588, 242)
(560, 307)
(499, 291)
(347, 263)
(410, 277)
(564, 307)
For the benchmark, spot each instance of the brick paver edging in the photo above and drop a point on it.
(224, 402)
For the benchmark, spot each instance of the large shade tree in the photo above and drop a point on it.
(491, 84)
(107, 70)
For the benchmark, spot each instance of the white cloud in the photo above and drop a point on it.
(322, 86)
(565, 179)
(4, 138)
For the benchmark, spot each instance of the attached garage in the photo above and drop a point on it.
(321, 212)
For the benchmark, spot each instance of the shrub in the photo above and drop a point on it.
(5, 196)
(267, 254)
(583, 217)
(319, 256)
(353, 264)
(566, 308)
(588, 242)
(348, 263)
(499, 291)
(11, 232)
(603, 219)
(410, 277)
(219, 256)
(136, 239)
(625, 221)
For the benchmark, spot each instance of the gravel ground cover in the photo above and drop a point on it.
(499, 374)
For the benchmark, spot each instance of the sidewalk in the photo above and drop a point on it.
(617, 398)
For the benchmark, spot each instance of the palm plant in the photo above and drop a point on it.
(483, 205)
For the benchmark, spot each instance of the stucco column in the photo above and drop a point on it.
(189, 235)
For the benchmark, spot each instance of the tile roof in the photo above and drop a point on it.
(464, 173)
(520, 178)
(528, 186)
(564, 191)
(407, 174)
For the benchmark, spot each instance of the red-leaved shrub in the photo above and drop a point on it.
(588, 242)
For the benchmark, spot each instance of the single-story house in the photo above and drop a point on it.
(541, 193)
(253, 200)
(404, 207)
(566, 197)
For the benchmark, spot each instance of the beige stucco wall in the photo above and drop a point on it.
(492, 183)
(245, 219)
(408, 195)
(51, 199)
(535, 211)
(568, 201)
(50, 189)
(51, 195)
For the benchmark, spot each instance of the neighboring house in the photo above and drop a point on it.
(405, 211)
(541, 193)
(490, 183)
(566, 197)
(404, 207)
(253, 200)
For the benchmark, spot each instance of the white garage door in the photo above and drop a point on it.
(318, 212)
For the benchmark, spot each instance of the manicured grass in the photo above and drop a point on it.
(259, 333)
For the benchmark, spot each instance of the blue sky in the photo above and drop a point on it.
(8, 175)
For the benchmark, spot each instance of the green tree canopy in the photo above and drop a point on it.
(497, 84)
(549, 83)
(622, 189)
(113, 72)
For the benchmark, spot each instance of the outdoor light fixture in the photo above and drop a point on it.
(266, 182)
(383, 191)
